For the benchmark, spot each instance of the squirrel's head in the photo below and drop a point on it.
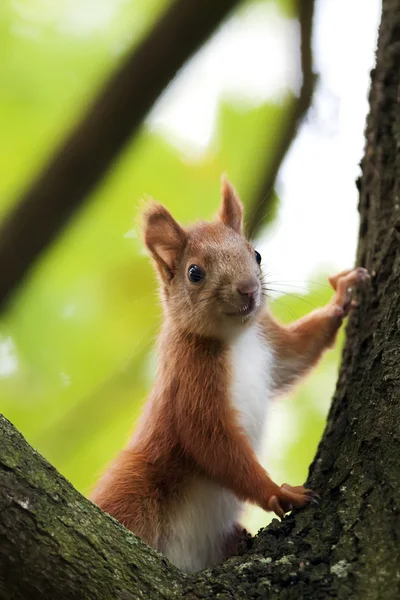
(211, 279)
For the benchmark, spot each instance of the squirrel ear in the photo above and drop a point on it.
(231, 209)
(164, 238)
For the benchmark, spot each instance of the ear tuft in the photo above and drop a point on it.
(164, 238)
(231, 209)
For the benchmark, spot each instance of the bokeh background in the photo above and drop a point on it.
(77, 338)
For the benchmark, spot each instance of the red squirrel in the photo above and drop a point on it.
(181, 482)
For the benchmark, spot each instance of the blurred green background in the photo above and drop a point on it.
(76, 342)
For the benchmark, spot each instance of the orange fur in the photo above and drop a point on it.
(190, 433)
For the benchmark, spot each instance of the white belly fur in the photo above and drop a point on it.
(252, 360)
(208, 511)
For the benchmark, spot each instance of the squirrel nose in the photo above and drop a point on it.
(248, 287)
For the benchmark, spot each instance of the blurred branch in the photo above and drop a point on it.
(265, 194)
(84, 157)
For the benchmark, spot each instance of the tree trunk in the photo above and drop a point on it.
(55, 544)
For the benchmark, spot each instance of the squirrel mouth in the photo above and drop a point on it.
(244, 310)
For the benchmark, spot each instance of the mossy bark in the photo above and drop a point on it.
(55, 544)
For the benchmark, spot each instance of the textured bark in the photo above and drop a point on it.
(55, 544)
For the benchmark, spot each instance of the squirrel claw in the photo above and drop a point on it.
(313, 500)
(343, 284)
(352, 276)
(313, 495)
(291, 497)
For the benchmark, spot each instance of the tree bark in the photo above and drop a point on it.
(56, 544)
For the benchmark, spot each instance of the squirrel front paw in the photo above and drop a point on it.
(290, 497)
(343, 283)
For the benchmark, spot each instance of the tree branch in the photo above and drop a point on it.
(83, 159)
(296, 113)
(57, 545)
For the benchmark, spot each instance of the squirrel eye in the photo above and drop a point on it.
(258, 257)
(195, 274)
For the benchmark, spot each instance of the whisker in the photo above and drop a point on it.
(300, 287)
(290, 281)
(205, 299)
(291, 311)
(302, 298)
(307, 291)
